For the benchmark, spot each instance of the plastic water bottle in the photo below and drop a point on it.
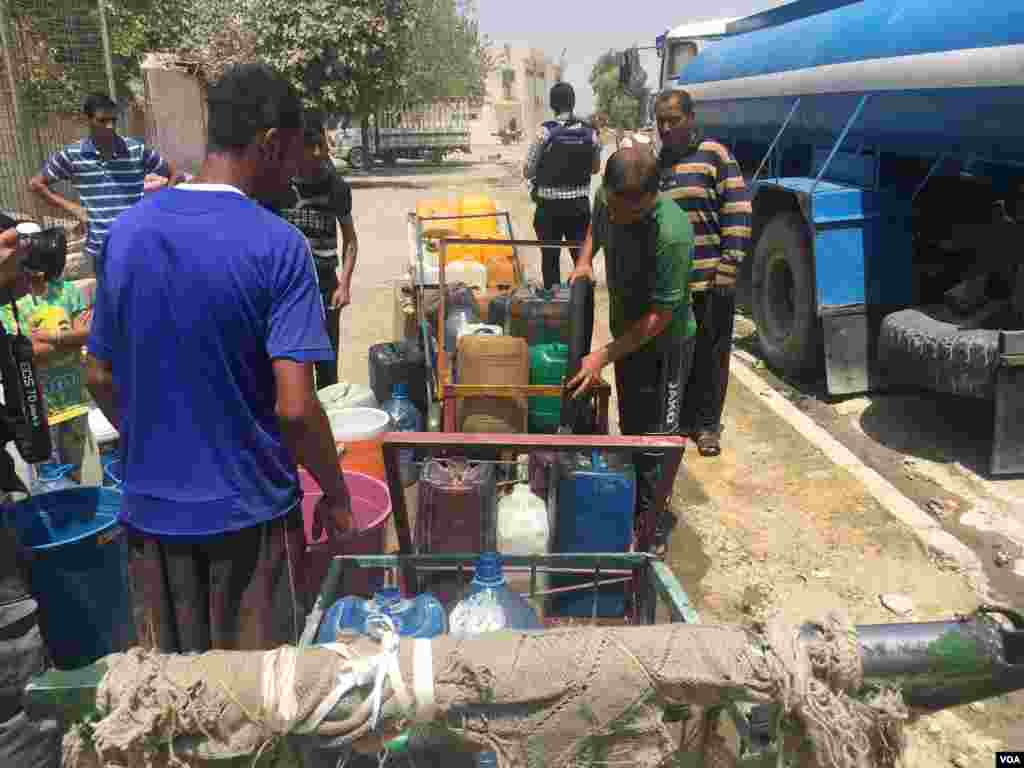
(421, 616)
(406, 418)
(52, 477)
(490, 606)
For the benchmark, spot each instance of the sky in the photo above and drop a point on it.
(592, 28)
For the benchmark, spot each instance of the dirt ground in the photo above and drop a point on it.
(771, 513)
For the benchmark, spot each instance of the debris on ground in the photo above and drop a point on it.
(901, 605)
(1001, 557)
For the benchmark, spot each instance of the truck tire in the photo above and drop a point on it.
(782, 297)
(923, 347)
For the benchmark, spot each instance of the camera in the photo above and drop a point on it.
(23, 417)
(42, 250)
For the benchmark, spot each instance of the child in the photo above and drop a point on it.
(53, 314)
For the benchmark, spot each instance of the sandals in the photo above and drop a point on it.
(708, 443)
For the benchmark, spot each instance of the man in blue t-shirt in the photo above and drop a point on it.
(207, 325)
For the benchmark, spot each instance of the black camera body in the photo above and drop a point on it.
(24, 411)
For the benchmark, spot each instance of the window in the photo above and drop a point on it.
(679, 54)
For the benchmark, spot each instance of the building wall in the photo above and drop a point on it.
(525, 97)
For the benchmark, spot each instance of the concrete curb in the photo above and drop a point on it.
(937, 541)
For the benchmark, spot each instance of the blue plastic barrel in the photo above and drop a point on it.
(111, 471)
(77, 572)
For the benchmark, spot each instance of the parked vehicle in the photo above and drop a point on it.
(429, 132)
(883, 142)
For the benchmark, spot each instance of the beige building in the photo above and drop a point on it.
(517, 89)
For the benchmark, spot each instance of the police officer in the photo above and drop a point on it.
(562, 158)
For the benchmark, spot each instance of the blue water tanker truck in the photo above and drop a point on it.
(884, 144)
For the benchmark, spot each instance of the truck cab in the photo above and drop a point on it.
(681, 44)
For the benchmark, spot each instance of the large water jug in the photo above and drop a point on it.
(595, 502)
(523, 527)
(421, 616)
(52, 477)
(405, 417)
(401, 362)
(548, 364)
(542, 318)
(491, 606)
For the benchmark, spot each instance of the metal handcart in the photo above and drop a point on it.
(449, 393)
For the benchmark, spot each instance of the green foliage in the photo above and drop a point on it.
(621, 109)
(354, 57)
(343, 57)
(449, 58)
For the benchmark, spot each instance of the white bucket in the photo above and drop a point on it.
(472, 273)
(351, 425)
(345, 395)
(101, 428)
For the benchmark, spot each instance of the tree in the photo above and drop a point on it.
(622, 109)
(449, 58)
(347, 57)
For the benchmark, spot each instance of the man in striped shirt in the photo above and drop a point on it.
(704, 179)
(108, 172)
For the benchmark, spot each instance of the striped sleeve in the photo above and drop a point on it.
(735, 215)
(58, 167)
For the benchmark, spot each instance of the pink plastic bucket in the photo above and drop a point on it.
(371, 508)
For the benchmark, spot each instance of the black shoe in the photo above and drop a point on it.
(667, 522)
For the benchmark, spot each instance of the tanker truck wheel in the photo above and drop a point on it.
(924, 347)
(782, 297)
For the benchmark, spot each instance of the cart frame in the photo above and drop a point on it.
(449, 393)
(670, 446)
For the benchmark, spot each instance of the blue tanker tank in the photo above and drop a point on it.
(884, 146)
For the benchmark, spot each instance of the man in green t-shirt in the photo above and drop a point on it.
(648, 243)
(53, 314)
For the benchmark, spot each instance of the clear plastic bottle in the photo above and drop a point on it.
(490, 606)
(405, 417)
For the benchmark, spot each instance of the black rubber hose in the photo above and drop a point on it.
(578, 415)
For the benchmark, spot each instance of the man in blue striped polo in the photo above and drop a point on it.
(107, 170)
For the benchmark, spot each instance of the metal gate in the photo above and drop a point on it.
(54, 53)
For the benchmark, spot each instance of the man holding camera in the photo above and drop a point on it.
(23, 742)
(107, 170)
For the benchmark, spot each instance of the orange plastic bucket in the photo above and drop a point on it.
(357, 433)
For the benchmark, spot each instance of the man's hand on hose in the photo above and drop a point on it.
(333, 515)
(589, 375)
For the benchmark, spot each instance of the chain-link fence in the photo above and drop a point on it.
(54, 53)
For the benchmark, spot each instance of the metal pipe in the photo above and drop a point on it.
(839, 142)
(775, 141)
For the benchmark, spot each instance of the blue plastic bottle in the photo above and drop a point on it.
(406, 418)
(491, 606)
(422, 616)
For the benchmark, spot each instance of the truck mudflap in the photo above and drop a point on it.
(1008, 437)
